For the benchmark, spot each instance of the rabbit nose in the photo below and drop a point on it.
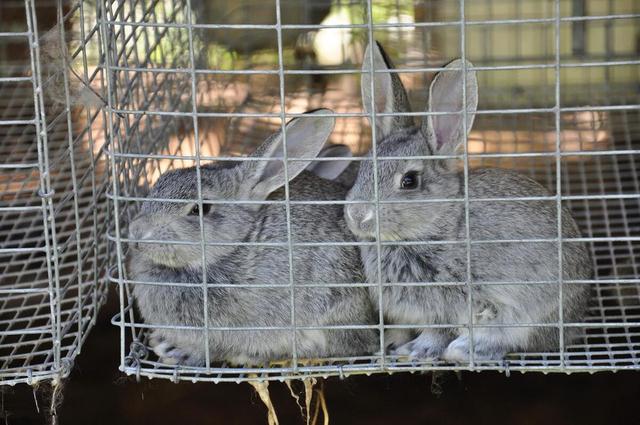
(139, 229)
(134, 233)
(361, 215)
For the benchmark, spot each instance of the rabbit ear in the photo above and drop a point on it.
(445, 132)
(331, 169)
(389, 93)
(305, 138)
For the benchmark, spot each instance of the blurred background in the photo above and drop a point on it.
(151, 57)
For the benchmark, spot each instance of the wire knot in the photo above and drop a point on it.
(46, 195)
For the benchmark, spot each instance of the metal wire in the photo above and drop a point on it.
(53, 226)
(174, 103)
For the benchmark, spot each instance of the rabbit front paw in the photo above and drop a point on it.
(426, 346)
(459, 349)
(394, 338)
(172, 355)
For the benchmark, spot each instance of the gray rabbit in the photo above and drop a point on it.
(251, 265)
(442, 301)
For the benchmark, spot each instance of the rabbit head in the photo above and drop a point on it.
(411, 179)
(178, 223)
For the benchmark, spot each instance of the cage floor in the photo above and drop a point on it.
(39, 307)
(600, 182)
(606, 346)
(611, 342)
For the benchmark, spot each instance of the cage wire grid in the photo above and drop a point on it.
(52, 181)
(168, 107)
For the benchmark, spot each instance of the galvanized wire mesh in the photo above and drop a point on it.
(557, 103)
(52, 187)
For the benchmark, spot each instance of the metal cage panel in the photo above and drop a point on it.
(52, 183)
(556, 104)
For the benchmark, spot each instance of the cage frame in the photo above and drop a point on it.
(135, 362)
(73, 262)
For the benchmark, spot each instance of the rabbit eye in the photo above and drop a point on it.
(410, 180)
(195, 210)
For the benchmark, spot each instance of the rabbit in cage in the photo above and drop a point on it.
(415, 179)
(250, 266)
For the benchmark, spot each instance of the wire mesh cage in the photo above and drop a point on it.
(558, 102)
(52, 181)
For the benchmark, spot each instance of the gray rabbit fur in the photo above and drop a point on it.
(251, 265)
(435, 304)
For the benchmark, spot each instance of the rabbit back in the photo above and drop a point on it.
(523, 260)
